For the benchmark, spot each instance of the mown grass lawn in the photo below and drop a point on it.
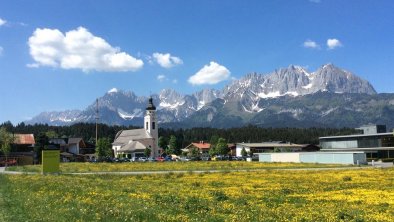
(171, 166)
(267, 195)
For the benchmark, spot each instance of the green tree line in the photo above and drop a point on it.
(183, 137)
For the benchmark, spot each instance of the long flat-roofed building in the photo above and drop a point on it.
(279, 146)
(375, 142)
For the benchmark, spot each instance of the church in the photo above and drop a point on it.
(132, 143)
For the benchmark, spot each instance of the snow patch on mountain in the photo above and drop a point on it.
(307, 86)
(129, 116)
(269, 95)
(325, 113)
(171, 106)
(113, 90)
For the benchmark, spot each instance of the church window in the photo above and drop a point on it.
(153, 125)
(147, 126)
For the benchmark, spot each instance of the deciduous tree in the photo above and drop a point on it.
(163, 143)
(5, 139)
(103, 148)
(243, 152)
(221, 147)
(172, 146)
(147, 151)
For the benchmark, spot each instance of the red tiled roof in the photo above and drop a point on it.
(202, 145)
(24, 139)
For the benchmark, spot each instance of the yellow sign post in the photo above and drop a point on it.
(50, 161)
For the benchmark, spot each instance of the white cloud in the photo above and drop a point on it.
(333, 43)
(311, 44)
(78, 49)
(113, 90)
(2, 22)
(175, 81)
(210, 74)
(166, 60)
(33, 65)
(161, 78)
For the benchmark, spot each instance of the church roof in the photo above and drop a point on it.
(131, 147)
(150, 105)
(124, 136)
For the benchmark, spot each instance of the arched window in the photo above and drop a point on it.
(153, 125)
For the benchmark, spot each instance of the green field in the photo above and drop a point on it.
(265, 195)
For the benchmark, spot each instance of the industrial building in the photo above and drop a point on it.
(315, 157)
(374, 141)
(277, 146)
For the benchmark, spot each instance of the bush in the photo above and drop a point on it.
(347, 178)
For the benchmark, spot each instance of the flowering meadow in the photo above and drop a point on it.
(173, 166)
(266, 195)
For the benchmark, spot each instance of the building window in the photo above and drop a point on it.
(153, 125)
(147, 126)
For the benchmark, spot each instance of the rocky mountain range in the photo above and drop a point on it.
(290, 97)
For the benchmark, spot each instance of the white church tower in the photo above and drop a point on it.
(151, 126)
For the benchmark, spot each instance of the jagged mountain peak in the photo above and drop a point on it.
(328, 66)
(247, 94)
(334, 79)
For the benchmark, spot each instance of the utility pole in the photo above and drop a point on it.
(97, 118)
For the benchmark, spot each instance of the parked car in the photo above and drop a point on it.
(168, 158)
(185, 159)
(134, 159)
(240, 158)
(142, 159)
(218, 157)
(107, 159)
(160, 159)
(151, 159)
(205, 158)
(125, 159)
(195, 158)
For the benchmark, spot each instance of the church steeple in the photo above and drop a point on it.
(151, 127)
(150, 105)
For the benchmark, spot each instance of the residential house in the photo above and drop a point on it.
(23, 143)
(202, 147)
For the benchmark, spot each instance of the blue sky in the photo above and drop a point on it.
(59, 55)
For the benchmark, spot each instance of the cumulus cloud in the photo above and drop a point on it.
(161, 78)
(210, 74)
(166, 60)
(311, 44)
(78, 49)
(333, 43)
(2, 22)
